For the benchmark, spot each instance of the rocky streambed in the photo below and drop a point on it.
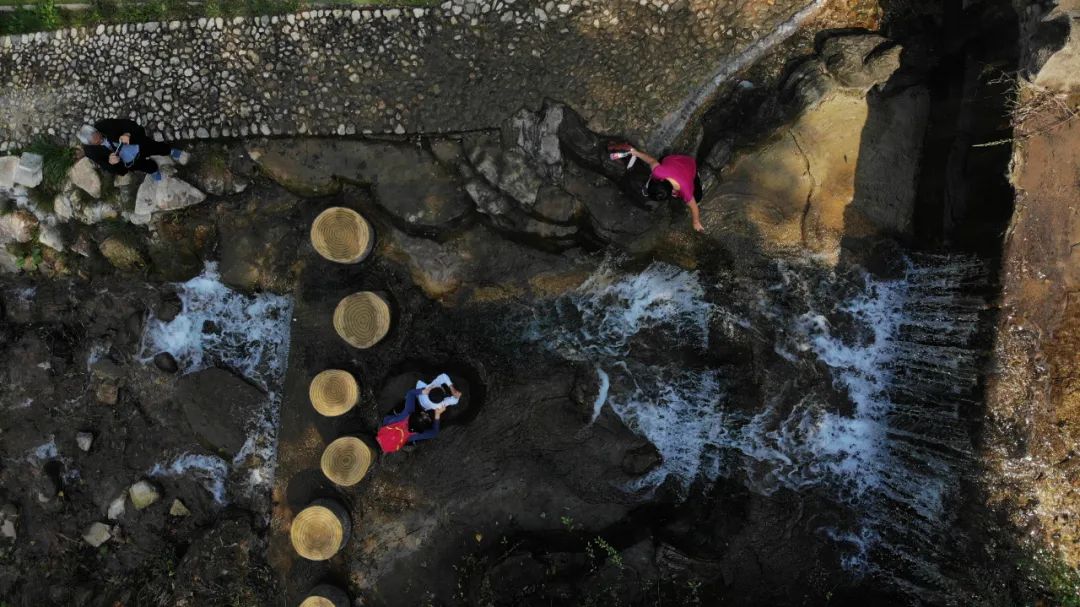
(785, 410)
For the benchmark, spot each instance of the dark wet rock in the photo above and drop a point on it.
(122, 253)
(480, 260)
(536, 134)
(508, 170)
(210, 172)
(257, 252)
(557, 205)
(218, 405)
(638, 462)
(168, 307)
(406, 179)
(166, 362)
(614, 218)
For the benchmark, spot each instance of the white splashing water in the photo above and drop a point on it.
(909, 356)
(211, 471)
(248, 334)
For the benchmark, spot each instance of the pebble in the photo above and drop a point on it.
(97, 534)
(84, 440)
(143, 494)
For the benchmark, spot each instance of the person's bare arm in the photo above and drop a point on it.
(695, 215)
(642, 155)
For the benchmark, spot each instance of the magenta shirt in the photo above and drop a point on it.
(682, 169)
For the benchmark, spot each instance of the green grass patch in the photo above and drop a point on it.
(45, 15)
(58, 161)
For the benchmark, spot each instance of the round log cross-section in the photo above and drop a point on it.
(325, 595)
(341, 235)
(333, 392)
(320, 530)
(362, 319)
(346, 460)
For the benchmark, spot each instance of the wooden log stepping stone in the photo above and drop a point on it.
(346, 460)
(341, 235)
(334, 392)
(321, 530)
(325, 595)
(362, 319)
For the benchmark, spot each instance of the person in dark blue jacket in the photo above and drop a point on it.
(422, 424)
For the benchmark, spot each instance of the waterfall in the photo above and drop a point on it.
(900, 351)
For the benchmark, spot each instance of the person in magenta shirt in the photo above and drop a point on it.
(673, 176)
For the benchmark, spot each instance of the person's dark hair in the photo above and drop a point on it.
(436, 395)
(658, 189)
(421, 421)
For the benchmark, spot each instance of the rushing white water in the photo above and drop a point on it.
(245, 333)
(902, 358)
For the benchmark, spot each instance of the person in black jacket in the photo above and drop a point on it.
(119, 145)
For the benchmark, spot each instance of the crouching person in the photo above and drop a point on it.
(119, 145)
(409, 426)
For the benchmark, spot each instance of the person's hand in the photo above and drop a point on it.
(455, 392)
(439, 412)
(114, 159)
(698, 226)
(426, 390)
(125, 138)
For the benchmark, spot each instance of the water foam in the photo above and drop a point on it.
(246, 333)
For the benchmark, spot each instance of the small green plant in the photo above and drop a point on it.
(599, 549)
(48, 14)
(1056, 580)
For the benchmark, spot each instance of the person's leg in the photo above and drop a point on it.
(155, 148)
(149, 167)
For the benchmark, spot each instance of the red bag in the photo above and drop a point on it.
(393, 437)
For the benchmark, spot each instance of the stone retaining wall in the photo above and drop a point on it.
(467, 64)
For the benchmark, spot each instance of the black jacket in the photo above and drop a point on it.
(112, 129)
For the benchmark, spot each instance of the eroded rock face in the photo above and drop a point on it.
(846, 166)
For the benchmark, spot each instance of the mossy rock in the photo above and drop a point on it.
(122, 253)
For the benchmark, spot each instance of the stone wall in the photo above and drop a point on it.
(466, 64)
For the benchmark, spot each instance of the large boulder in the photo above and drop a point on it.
(84, 175)
(169, 194)
(218, 406)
